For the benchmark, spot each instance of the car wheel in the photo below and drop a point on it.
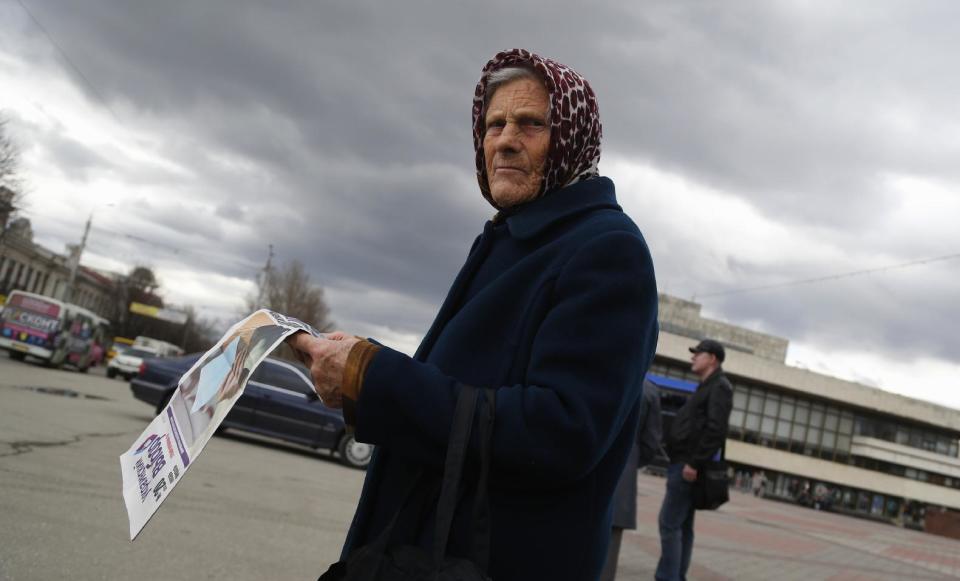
(164, 401)
(353, 453)
(111, 372)
(17, 355)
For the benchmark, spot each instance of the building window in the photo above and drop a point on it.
(736, 420)
(903, 436)
(740, 398)
(787, 405)
(771, 405)
(829, 440)
(846, 423)
(766, 426)
(843, 444)
(816, 416)
(832, 421)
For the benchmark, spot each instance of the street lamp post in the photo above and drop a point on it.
(75, 257)
(75, 262)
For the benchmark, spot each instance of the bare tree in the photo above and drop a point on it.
(9, 157)
(289, 291)
(198, 333)
(11, 184)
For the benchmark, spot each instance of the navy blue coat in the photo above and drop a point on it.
(556, 308)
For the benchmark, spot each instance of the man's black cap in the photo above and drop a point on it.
(710, 346)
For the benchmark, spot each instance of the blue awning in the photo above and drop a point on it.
(672, 383)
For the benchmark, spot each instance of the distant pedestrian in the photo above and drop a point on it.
(759, 483)
(805, 496)
(698, 432)
(646, 448)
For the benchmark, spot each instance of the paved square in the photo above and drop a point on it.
(755, 538)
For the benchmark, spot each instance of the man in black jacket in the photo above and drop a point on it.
(697, 434)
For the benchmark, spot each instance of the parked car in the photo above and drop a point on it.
(127, 363)
(118, 346)
(279, 401)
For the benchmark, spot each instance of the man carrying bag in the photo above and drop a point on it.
(696, 477)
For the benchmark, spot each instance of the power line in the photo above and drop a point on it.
(152, 243)
(830, 277)
(70, 62)
(175, 249)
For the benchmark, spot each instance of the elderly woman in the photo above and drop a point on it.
(555, 308)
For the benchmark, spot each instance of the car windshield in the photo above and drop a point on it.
(139, 353)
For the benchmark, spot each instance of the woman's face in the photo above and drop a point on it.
(516, 141)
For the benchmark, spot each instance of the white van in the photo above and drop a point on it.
(161, 348)
(127, 363)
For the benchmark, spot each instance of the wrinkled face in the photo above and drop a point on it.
(516, 141)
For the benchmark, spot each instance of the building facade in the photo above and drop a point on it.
(879, 454)
(27, 266)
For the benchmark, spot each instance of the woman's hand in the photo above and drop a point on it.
(326, 358)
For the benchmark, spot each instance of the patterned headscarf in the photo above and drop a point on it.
(575, 129)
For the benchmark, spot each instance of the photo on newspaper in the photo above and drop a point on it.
(205, 394)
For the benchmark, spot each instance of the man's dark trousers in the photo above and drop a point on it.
(676, 527)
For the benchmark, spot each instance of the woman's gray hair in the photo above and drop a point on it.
(501, 77)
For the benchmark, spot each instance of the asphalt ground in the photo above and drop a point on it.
(250, 508)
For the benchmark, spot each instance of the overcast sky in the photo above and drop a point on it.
(754, 143)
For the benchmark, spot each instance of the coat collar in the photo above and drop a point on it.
(712, 378)
(545, 211)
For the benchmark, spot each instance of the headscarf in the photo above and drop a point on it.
(575, 129)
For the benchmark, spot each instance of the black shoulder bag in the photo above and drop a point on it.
(379, 562)
(712, 487)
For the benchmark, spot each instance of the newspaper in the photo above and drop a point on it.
(160, 457)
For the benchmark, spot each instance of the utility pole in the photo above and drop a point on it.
(264, 278)
(75, 262)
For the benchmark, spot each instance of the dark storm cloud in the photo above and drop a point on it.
(340, 133)
(789, 107)
(895, 315)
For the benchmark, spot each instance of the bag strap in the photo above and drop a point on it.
(378, 547)
(481, 507)
(463, 415)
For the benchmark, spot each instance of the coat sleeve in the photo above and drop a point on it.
(583, 377)
(719, 405)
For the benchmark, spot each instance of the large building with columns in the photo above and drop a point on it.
(886, 456)
(27, 266)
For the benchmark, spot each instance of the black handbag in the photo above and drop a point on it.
(378, 561)
(712, 487)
